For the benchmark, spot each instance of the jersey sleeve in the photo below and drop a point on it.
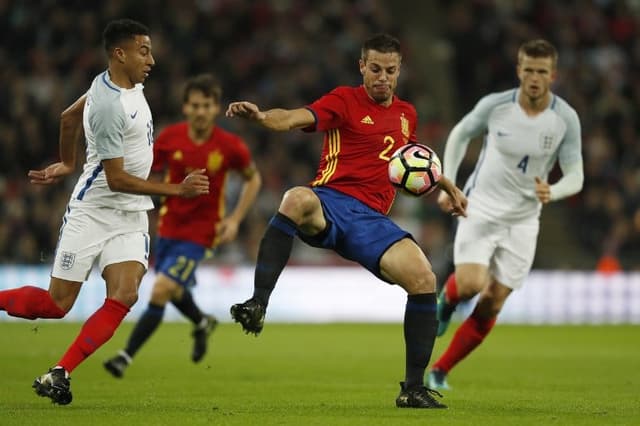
(241, 158)
(571, 148)
(476, 121)
(569, 158)
(330, 111)
(107, 121)
(471, 125)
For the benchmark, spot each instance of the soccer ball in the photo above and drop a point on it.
(415, 168)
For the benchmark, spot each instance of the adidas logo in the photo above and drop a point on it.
(367, 120)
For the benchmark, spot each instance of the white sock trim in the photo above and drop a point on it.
(126, 356)
(66, 373)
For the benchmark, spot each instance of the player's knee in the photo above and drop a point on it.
(468, 285)
(423, 282)
(126, 297)
(64, 303)
(159, 298)
(163, 291)
(297, 202)
(64, 309)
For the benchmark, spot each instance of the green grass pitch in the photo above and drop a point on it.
(336, 374)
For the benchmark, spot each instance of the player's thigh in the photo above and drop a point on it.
(303, 206)
(405, 264)
(164, 290)
(123, 262)
(475, 241)
(123, 280)
(514, 256)
(82, 236)
(128, 240)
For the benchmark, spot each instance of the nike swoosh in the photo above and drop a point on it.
(499, 133)
(133, 116)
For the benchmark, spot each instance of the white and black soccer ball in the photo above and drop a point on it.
(415, 169)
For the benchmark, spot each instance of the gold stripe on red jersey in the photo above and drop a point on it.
(222, 210)
(333, 137)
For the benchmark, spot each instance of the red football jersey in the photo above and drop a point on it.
(361, 135)
(195, 219)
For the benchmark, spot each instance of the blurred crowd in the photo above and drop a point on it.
(287, 53)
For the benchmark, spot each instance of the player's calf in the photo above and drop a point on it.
(201, 335)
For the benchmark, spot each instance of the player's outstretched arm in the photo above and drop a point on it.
(70, 134)
(196, 183)
(274, 119)
(451, 199)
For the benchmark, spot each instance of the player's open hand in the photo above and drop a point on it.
(245, 109)
(543, 191)
(51, 174)
(451, 199)
(196, 183)
(226, 230)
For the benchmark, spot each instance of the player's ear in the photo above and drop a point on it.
(362, 65)
(119, 54)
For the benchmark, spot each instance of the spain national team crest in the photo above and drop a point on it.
(404, 126)
(547, 141)
(214, 161)
(67, 260)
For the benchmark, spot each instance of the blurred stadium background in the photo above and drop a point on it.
(287, 53)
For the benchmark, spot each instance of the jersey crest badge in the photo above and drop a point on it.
(214, 161)
(366, 120)
(547, 141)
(177, 156)
(404, 126)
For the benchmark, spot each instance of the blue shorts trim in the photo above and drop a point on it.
(178, 260)
(354, 230)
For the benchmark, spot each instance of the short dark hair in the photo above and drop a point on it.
(208, 84)
(120, 30)
(383, 43)
(539, 48)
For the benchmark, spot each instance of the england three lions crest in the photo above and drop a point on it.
(547, 141)
(67, 260)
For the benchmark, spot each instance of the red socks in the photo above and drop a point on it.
(451, 290)
(29, 302)
(468, 336)
(95, 332)
(33, 302)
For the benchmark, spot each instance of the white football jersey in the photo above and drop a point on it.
(117, 123)
(516, 149)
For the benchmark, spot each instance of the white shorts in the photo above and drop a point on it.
(506, 249)
(105, 235)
